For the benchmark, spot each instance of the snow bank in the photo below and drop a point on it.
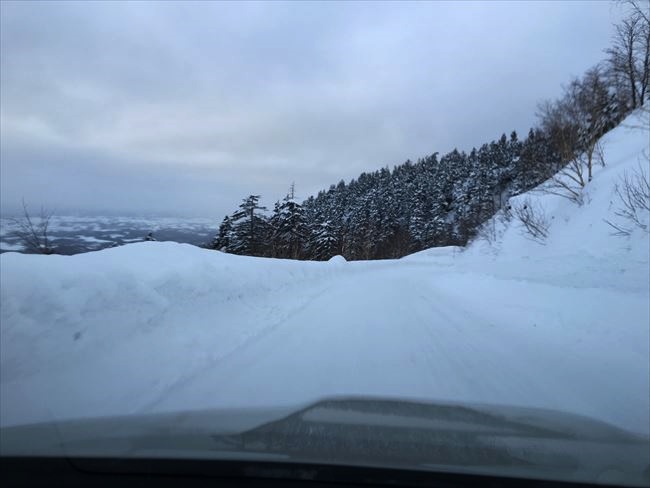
(132, 315)
(337, 259)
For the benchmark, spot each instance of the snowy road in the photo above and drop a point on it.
(361, 336)
(375, 343)
(120, 336)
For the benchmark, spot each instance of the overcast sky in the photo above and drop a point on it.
(185, 108)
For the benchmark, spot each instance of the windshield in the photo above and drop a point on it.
(391, 234)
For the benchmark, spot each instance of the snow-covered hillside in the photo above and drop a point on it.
(162, 326)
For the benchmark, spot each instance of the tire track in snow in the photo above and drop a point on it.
(363, 342)
(213, 362)
(390, 331)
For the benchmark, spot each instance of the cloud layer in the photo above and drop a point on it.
(183, 108)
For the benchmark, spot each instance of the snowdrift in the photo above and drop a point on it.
(131, 316)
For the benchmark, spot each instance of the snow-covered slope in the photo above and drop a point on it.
(581, 229)
(581, 249)
(162, 326)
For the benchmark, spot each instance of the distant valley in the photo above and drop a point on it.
(73, 235)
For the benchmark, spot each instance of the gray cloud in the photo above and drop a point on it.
(185, 107)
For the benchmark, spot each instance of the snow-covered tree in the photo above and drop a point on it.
(289, 233)
(324, 242)
(221, 241)
(249, 228)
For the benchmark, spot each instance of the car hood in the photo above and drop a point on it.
(505, 441)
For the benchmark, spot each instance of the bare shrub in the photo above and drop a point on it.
(633, 199)
(533, 220)
(492, 229)
(574, 125)
(558, 122)
(487, 232)
(33, 232)
(569, 182)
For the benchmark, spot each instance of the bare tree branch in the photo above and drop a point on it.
(633, 195)
(34, 234)
(533, 219)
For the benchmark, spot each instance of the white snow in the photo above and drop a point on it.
(159, 326)
(91, 239)
(338, 259)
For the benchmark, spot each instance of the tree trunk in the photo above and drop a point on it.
(630, 74)
(645, 77)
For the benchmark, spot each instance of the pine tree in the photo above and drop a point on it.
(221, 241)
(324, 241)
(289, 229)
(249, 229)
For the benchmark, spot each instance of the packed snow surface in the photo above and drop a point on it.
(159, 326)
